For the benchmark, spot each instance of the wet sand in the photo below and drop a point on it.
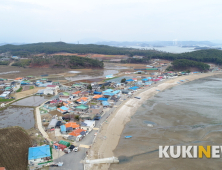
(104, 147)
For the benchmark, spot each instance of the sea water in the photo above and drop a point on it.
(187, 114)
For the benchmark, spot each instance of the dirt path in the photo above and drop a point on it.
(39, 124)
(11, 63)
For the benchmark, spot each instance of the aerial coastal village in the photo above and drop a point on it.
(68, 115)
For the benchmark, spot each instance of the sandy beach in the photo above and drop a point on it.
(110, 132)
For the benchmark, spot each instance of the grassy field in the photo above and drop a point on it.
(6, 100)
(19, 90)
(14, 144)
(109, 79)
(31, 87)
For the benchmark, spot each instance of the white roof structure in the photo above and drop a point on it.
(48, 91)
(90, 123)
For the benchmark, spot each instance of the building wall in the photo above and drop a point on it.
(36, 161)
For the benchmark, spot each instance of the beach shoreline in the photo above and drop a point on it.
(109, 135)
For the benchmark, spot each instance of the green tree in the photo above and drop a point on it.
(123, 80)
(89, 87)
(77, 117)
(103, 87)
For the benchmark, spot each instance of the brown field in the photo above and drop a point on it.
(14, 144)
(26, 93)
(98, 56)
(132, 65)
(25, 88)
(71, 54)
(28, 71)
(55, 112)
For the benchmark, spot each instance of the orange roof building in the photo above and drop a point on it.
(76, 132)
(66, 103)
(97, 96)
(82, 99)
(72, 124)
(77, 92)
(19, 78)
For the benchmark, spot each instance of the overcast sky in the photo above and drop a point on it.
(110, 20)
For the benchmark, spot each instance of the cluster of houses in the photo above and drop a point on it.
(6, 57)
(8, 86)
(88, 104)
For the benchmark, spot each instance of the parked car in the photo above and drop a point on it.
(137, 97)
(71, 147)
(66, 118)
(97, 117)
(76, 149)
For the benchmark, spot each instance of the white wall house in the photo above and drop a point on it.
(88, 125)
(52, 87)
(48, 92)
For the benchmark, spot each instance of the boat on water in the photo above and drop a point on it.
(150, 125)
(127, 137)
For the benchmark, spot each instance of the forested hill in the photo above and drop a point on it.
(72, 62)
(56, 47)
(183, 64)
(211, 55)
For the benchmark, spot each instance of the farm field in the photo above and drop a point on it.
(14, 144)
(22, 72)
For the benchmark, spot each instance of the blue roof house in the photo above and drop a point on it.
(96, 92)
(134, 88)
(105, 103)
(102, 99)
(63, 129)
(108, 91)
(130, 80)
(107, 94)
(109, 76)
(15, 57)
(39, 155)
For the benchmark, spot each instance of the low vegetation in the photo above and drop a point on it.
(4, 63)
(31, 87)
(19, 90)
(6, 100)
(183, 64)
(72, 62)
(22, 63)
